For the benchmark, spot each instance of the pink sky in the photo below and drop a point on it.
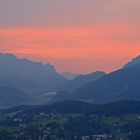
(78, 37)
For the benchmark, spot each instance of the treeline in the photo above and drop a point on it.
(112, 109)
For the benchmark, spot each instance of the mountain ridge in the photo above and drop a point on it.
(80, 80)
(29, 76)
(118, 85)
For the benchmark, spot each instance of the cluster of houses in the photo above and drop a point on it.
(46, 135)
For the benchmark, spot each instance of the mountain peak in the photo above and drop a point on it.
(27, 75)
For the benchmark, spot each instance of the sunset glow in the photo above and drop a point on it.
(90, 39)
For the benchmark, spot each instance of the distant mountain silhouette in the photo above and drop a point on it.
(133, 62)
(123, 84)
(69, 75)
(29, 76)
(72, 106)
(12, 97)
(80, 80)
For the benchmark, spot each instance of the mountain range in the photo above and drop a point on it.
(80, 80)
(29, 76)
(122, 84)
(22, 79)
(37, 80)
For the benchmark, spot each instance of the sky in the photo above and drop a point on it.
(74, 35)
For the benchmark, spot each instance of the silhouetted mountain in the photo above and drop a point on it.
(69, 75)
(119, 85)
(71, 106)
(29, 76)
(12, 97)
(133, 62)
(80, 80)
